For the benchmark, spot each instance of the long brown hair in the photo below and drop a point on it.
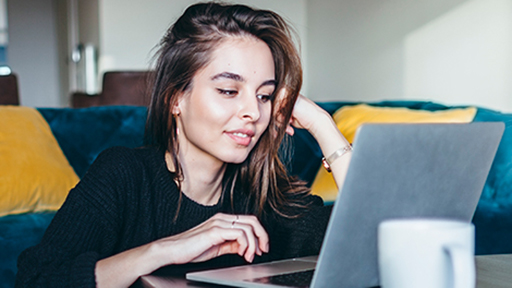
(185, 49)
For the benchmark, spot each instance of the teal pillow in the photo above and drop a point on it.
(499, 183)
(84, 133)
(17, 233)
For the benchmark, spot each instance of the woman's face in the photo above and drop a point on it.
(228, 107)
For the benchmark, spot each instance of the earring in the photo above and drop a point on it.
(175, 115)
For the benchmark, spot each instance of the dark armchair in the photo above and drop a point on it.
(9, 90)
(118, 88)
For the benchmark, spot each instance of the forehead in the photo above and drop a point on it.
(243, 55)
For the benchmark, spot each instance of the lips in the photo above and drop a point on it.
(242, 136)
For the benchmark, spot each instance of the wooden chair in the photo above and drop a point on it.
(118, 88)
(9, 90)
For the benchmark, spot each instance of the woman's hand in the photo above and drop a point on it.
(219, 235)
(306, 114)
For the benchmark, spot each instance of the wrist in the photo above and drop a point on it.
(158, 254)
(328, 161)
(123, 269)
(323, 126)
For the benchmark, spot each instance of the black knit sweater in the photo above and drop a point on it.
(127, 199)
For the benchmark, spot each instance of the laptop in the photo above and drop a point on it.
(396, 171)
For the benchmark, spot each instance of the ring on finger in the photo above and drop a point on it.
(234, 222)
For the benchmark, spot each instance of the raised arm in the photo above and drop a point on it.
(307, 115)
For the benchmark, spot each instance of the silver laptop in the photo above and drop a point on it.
(396, 171)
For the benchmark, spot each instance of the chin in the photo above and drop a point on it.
(235, 159)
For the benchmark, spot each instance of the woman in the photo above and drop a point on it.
(210, 190)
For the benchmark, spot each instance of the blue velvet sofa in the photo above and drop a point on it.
(83, 133)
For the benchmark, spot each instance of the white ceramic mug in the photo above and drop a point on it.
(426, 253)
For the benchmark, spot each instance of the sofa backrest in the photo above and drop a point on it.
(84, 133)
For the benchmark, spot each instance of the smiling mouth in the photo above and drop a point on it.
(241, 135)
(240, 138)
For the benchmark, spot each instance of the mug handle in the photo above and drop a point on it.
(463, 264)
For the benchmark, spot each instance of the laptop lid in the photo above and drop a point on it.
(402, 171)
(396, 171)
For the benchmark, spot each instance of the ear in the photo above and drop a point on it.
(176, 107)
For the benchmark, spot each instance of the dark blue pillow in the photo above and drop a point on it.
(499, 183)
(84, 133)
(17, 233)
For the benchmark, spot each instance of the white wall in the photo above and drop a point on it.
(463, 57)
(3, 23)
(128, 35)
(448, 51)
(33, 51)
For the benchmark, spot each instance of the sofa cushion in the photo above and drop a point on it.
(349, 118)
(499, 181)
(493, 227)
(84, 133)
(34, 173)
(17, 233)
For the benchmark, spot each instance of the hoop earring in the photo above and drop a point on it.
(175, 116)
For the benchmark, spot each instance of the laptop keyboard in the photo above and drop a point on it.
(300, 279)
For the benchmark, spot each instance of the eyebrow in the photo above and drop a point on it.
(229, 75)
(239, 78)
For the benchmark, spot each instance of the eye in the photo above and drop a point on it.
(227, 92)
(264, 98)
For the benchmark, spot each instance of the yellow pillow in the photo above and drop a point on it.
(349, 118)
(34, 173)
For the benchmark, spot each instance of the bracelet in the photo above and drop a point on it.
(326, 162)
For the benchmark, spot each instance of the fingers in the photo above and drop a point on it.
(219, 235)
(252, 247)
(258, 230)
(222, 241)
(231, 247)
(289, 129)
(247, 231)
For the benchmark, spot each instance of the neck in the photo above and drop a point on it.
(202, 179)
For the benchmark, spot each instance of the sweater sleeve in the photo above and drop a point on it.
(84, 230)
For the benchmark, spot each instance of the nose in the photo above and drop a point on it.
(249, 108)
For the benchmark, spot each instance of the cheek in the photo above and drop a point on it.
(206, 110)
(218, 112)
